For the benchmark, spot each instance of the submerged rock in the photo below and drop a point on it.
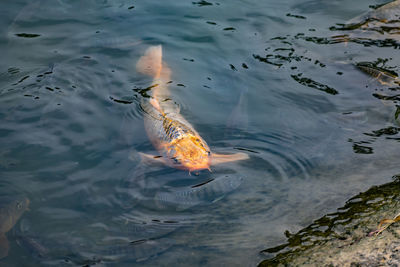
(343, 238)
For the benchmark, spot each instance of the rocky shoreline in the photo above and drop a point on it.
(344, 238)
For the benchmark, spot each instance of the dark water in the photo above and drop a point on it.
(275, 79)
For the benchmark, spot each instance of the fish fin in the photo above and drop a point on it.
(3, 245)
(151, 158)
(221, 158)
(133, 155)
(151, 63)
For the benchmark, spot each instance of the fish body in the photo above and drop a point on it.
(33, 246)
(178, 143)
(140, 230)
(383, 76)
(10, 212)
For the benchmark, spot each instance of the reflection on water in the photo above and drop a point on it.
(310, 94)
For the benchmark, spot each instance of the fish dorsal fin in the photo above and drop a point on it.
(3, 245)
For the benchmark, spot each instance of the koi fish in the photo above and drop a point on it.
(383, 76)
(33, 246)
(178, 143)
(10, 212)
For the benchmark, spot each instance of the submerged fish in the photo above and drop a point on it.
(210, 191)
(10, 212)
(174, 137)
(383, 76)
(32, 245)
(144, 230)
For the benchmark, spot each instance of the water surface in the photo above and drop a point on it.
(274, 79)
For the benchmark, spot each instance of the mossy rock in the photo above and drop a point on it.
(344, 238)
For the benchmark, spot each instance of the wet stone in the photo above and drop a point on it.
(348, 242)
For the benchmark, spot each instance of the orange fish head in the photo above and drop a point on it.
(192, 154)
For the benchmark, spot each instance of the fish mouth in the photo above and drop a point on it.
(198, 167)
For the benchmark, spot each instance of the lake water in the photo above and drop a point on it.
(274, 79)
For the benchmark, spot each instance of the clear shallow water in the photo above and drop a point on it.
(312, 123)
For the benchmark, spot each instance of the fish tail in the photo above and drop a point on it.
(151, 62)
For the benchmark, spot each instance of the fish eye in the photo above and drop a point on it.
(19, 205)
(176, 161)
(209, 153)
